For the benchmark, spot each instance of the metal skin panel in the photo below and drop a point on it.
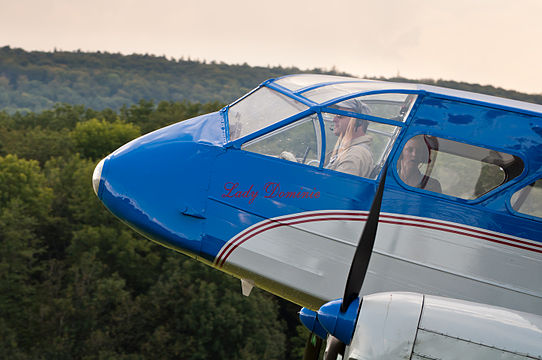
(387, 326)
(493, 327)
(436, 346)
(414, 326)
(410, 254)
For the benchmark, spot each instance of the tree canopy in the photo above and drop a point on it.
(36, 81)
(76, 283)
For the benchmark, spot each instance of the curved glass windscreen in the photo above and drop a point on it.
(260, 109)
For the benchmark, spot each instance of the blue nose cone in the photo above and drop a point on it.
(158, 183)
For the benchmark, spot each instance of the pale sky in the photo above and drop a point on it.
(491, 42)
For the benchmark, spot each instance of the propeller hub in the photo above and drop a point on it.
(339, 324)
(309, 318)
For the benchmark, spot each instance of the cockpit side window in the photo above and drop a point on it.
(297, 142)
(528, 200)
(453, 168)
(259, 110)
(357, 146)
(356, 143)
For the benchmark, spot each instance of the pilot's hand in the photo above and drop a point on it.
(286, 155)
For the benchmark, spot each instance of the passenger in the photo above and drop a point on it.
(416, 152)
(352, 151)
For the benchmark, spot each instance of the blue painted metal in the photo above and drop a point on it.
(340, 325)
(158, 183)
(324, 140)
(309, 318)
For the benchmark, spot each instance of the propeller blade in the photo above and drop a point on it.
(334, 348)
(312, 349)
(360, 263)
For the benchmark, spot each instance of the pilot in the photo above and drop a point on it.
(416, 152)
(352, 152)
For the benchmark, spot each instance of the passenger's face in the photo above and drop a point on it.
(340, 124)
(411, 153)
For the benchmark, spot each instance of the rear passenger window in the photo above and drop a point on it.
(529, 199)
(454, 168)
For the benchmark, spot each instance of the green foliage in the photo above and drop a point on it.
(37, 143)
(95, 138)
(25, 201)
(204, 306)
(149, 116)
(76, 283)
(22, 181)
(36, 81)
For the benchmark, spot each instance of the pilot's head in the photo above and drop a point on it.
(342, 123)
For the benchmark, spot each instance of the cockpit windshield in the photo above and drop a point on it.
(342, 128)
(260, 109)
(288, 96)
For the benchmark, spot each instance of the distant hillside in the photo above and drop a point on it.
(36, 81)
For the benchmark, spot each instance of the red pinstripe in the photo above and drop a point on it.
(362, 216)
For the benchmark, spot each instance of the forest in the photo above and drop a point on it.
(33, 81)
(75, 282)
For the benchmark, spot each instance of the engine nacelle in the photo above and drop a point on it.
(412, 326)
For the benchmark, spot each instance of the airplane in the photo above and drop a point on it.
(406, 219)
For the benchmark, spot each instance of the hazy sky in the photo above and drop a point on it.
(496, 42)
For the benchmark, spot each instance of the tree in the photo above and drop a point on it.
(95, 138)
(192, 306)
(25, 201)
(22, 181)
(37, 143)
(76, 283)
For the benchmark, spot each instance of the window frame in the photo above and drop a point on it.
(278, 94)
(316, 121)
(386, 154)
(326, 107)
(498, 189)
(523, 184)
